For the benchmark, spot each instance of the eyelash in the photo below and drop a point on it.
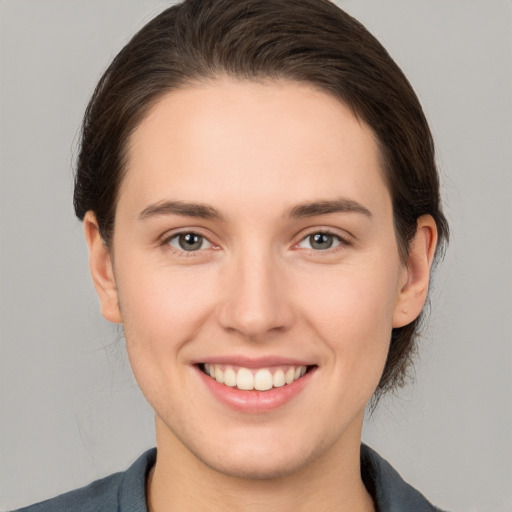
(337, 239)
(183, 252)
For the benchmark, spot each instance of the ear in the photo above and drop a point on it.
(416, 276)
(100, 265)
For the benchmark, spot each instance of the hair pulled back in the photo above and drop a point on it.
(310, 41)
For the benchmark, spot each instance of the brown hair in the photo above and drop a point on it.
(309, 41)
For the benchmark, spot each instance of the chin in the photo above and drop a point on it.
(257, 466)
(261, 455)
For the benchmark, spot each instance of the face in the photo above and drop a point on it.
(254, 242)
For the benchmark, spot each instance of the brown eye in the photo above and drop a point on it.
(189, 242)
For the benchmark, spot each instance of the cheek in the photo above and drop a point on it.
(352, 312)
(351, 300)
(162, 312)
(161, 304)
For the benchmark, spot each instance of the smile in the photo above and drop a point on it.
(259, 379)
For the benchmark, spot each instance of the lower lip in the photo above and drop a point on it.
(255, 402)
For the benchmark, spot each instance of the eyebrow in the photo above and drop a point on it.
(197, 210)
(203, 211)
(341, 205)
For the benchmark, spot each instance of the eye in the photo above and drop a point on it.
(320, 241)
(189, 242)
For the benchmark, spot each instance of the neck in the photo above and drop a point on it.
(180, 481)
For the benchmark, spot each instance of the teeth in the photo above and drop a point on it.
(244, 379)
(289, 376)
(278, 379)
(260, 380)
(263, 380)
(230, 377)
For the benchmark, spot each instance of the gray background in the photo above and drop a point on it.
(70, 410)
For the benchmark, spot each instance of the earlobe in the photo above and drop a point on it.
(100, 265)
(414, 289)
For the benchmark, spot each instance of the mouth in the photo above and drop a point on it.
(255, 379)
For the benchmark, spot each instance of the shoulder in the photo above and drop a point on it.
(124, 491)
(101, 494)
(389, 491)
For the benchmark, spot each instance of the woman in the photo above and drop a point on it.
(261, 205)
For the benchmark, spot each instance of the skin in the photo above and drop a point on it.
(254, 152)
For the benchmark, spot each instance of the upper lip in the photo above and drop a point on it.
(254, 362)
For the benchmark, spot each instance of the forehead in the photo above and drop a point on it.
(251, 139)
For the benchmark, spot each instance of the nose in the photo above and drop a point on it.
(255, 302)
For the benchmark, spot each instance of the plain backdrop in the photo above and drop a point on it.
(69, 408)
